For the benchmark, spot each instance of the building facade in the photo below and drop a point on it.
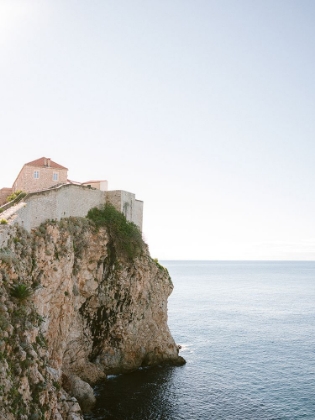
(39, 175)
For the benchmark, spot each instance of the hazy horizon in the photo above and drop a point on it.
(204, 110)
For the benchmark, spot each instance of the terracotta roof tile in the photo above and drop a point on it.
(42, 163)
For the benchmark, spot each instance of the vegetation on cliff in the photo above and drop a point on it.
(125, 236)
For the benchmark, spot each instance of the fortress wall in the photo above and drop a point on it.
(67, 200)
(114, 198)
(138, 213)
(126, 203)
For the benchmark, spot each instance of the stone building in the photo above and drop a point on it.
(39, 175)
(51, 195)
(99, 185)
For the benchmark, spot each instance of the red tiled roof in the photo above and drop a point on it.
(42, 162)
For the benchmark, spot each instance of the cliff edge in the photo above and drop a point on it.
(76, 302)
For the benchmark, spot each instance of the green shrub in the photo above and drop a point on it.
(160, 266)
(125, 236)
(21, 291)
(3, 222)
(21, 194)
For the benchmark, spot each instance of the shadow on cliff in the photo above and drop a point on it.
(147, 393)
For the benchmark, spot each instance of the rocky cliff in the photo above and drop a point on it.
(74, 307)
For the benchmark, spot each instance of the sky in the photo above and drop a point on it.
(204, 109)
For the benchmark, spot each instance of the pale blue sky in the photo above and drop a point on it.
(204, 109)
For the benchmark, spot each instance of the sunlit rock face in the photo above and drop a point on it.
(86, 311)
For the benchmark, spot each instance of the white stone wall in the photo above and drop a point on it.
(114, 198)
(138, 213)
(126, 202)
(67, 200)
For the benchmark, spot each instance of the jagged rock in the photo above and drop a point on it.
(79, 389)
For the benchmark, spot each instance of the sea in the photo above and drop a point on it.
(247, 331)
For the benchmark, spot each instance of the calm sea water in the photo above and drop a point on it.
(248, 335)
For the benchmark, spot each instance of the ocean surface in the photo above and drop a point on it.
(247, 331)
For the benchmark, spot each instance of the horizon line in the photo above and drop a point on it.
(162, 259)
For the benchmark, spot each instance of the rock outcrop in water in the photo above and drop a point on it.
(72, 309)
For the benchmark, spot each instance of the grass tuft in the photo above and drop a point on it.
(21, 292)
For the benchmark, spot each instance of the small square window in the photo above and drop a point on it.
(55, 176)
(36, 174)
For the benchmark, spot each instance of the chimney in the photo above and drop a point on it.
(48, 162)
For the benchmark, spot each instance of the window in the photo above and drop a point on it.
(55, 176)
(36, 174)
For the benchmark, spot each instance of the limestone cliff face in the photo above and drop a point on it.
(85, 312)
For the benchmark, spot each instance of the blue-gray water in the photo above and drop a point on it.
(248, 335)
